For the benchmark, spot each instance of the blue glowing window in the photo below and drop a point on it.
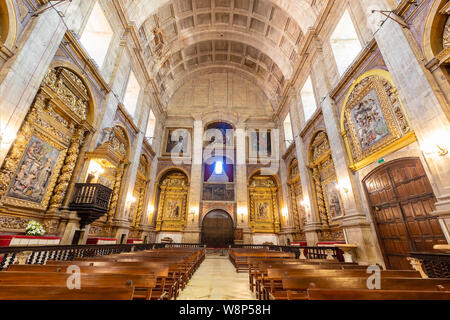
(218, 169)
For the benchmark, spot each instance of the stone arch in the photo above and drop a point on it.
(8, 24)
(264, 202)
(92, 116)
(172, 196)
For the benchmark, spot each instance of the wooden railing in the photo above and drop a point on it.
(300, 251)
(41, 254)
(435, 265)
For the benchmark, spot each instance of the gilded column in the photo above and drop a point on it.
(116, 192)
(68, 169)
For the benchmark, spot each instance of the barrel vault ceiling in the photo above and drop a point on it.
(254, 38)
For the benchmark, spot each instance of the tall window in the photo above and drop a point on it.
(288, 136)
(131, 94)
(345, 43)
(97, 35)
(151, 126)
(308, 99)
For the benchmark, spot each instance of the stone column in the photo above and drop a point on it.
(421, 98)
(355, 224)
(192, 231)
(22, 74)
(312, 223)
(241, 183)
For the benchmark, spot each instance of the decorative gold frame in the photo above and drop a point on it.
(397, 137)
(265, 191)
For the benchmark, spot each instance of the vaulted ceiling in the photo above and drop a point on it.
(256, 38)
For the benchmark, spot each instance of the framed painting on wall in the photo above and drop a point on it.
(177, 142)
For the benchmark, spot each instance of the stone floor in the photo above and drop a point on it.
(216, 279)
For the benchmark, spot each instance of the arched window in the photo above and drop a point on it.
(288, 137)
(345, 43)
(97, 35)
(151, 124)
(131, 94)
(308, 99)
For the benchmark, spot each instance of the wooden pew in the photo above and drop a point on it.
(17, 292)
(160, 290)
(365, 294)
(273, 283)
(295, 288)
(143, 284)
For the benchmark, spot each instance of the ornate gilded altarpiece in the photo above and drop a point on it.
(172, 205)
(296, 196)
(373, 121)
(326, 195)
(139, 193)
(112, 154)
(263, 200)
(38, 168)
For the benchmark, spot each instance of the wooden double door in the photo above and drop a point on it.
(217, 229)
(402, 200)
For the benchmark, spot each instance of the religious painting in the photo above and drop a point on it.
(262, 212)
(177, 142)
(373, 121)
(218, 192)
(369, 120)
(260, 143)
(33, 176)
(173, 209)
(333, 199)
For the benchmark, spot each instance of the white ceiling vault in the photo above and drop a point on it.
(256, 38)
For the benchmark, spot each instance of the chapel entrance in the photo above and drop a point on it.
(401, 201)
(217, 229)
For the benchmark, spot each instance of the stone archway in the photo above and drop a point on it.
(217, 229)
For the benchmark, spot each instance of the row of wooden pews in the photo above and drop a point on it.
(239, 256)
(286, 278)
(151, 275)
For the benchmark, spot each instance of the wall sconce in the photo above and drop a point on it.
(242, 211)
(437, 150)
(305, 203)
(6, 136)
(436, 144)
(95, 170)
(343, 187)
(194, 212)
(285, 212)
(150, 210)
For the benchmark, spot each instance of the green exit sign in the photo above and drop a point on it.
(381, 160)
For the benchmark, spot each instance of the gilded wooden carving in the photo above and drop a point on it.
(295, 195)
(263, 199)
(327, 199)
(49, 139)
(373, 121)
(172, 208)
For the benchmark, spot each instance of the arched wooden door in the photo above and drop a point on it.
(401, 200)
(217, 229)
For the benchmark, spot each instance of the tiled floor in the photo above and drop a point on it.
(216, 279)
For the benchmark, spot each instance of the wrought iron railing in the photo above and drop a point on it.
(305, 251)
(42, 254)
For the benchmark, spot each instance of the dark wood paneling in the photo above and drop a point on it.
(402, 200)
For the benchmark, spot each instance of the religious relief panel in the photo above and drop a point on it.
(373, 122)
(218, 192)
(172, 205)
(39, 166)
(263, 199)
